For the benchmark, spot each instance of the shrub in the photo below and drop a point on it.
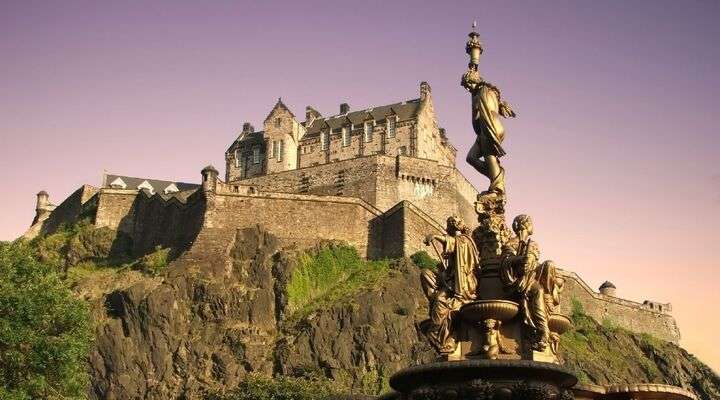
(423, 260)
(280, 388)
(329, 274)
(155, 262)
(45, 333)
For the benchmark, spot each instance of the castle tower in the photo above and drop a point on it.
(209, 178)
(608, 289)
(43, 208)
(282, 135)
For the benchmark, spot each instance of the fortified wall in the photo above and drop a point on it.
(209, 216)
(380, 179)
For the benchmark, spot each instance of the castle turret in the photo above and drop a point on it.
(209, 178)
(608, 289)
(43, 207)
(282, 136)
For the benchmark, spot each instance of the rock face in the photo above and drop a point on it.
(207, 324)
(220, 313)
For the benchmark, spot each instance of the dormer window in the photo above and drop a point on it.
(118, 183)
(145, 185)
(391, 121)
(346, 135)
(172, 188)
(368, 131)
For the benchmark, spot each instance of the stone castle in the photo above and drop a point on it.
(379, 178)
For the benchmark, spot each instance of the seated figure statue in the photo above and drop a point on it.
(521, 272)
(454, 284)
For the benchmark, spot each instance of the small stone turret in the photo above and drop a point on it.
(43, 207)
(209, 178)
(608, 289)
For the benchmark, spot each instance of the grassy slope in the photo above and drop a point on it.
(605, 354)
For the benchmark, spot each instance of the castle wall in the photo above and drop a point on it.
(383, 181)
(350, 178)
(405, 228)
(69, 211)
(299, 220)
(166, 223)
(440, 191)
(115, 209)
(624, 313)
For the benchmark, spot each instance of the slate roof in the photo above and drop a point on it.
(247, 138)
(157, 184)
(405, 110)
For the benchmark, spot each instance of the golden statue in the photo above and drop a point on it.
(454, 284)
(521, 272)
(487, 108)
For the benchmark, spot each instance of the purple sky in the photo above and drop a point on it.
(614, 151)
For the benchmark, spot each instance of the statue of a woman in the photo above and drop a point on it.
(453, 285)
(522, 273)
(487, 108)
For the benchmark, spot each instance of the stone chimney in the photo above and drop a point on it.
(424, 90)
(344, 108)
(608, 289)
(248, 128)
(209, 178)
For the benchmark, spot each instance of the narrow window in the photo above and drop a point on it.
(277, 122)
(325, 140)
(281, 144)
(346, 136)
(256, 155)
(391, 126)
(237, 158)
(368, 131)
(275, 149)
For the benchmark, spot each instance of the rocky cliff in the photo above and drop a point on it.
(214, 316)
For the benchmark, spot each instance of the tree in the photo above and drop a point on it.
(45, 333)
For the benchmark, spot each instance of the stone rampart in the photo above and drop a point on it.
(616, 311)
(382, 181)
(298, 219)
(80, 202)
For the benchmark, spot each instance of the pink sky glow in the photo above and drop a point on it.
(614, 152)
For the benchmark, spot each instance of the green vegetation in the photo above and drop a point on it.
(154, 263)
(280, 388)
(605, 351)
(330, 274)
(423, 260)
(80, 242)
(45, 333)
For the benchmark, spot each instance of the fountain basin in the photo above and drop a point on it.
(559, 323)
(478, 311)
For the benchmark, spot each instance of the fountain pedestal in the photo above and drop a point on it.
(483, 380)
